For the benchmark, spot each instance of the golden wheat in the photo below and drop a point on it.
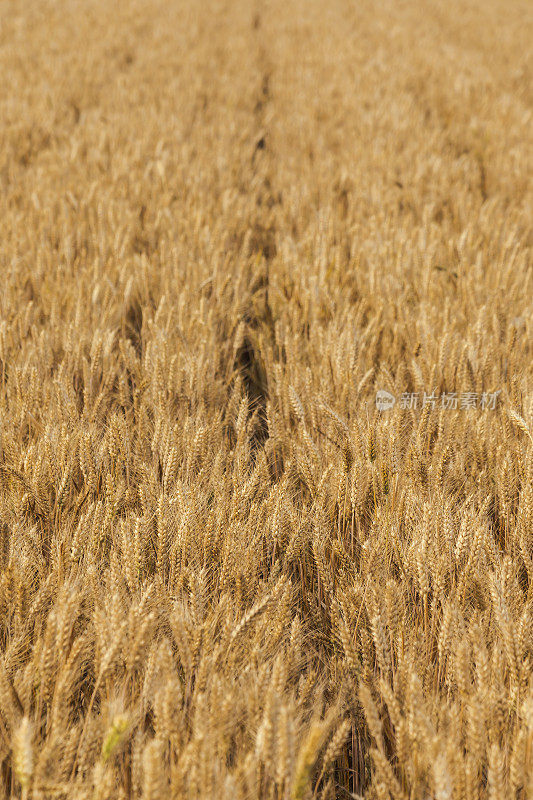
(225, 572)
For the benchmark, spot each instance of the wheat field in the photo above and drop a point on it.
(226, 571)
